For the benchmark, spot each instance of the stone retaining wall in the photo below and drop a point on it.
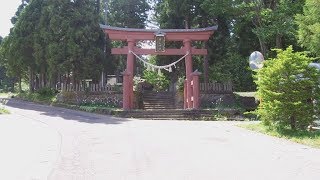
(115, 99)
(220, 101)
(80, 97)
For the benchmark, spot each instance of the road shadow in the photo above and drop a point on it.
(66, 114)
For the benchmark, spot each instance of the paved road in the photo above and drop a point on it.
(41, 142)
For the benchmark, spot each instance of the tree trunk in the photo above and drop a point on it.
(37, 82)
(257, 22)
(98, 6)
(31, 80)
(206, 67)
(106, 2)
(263, 47)
(42, 77)
(20, 85)
(293, 122)
(13, 86)
(279, 41)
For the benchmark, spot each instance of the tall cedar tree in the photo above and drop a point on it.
(309, 26)
(52, 39)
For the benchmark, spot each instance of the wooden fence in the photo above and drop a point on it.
(209, 88)
(216, 88)
(90, 88)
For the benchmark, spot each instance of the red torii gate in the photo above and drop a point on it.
(191, 90)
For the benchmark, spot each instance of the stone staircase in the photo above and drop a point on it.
(161, 106)
(158, 100)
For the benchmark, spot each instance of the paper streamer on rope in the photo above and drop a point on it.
(154, 67)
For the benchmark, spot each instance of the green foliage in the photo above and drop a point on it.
(286, 87)
(47, 92)
(309, 26)
(228, 48)
(107, 102)
(44, 95)
(234, 68)
(54, 38)
(159, 81)
(128, 13)
(6, 83)
(272, 22)
(124, 13)
(77, 41)
(4, 111)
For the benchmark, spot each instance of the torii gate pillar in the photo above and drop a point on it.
(126, 90)
(130, 69)
(189, 70)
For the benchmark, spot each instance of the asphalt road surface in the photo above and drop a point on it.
(42, 142)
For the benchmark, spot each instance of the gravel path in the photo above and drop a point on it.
(41, 142)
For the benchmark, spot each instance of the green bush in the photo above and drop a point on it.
(46, 91)
(159, 81)
(45, 95)
(287, 87)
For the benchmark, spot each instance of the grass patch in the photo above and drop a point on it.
(37, 97)
(303, 137)
(4, 111)
(89, 108)
(7, 95)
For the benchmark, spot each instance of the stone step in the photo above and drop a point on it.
(157, 94)
(231, 111)
(158, 103)
(160, 100)
(174, 114)
(160, 92)
(192, 119)
(157, 107)
(157, 98)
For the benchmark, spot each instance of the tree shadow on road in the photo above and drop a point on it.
(66, 114)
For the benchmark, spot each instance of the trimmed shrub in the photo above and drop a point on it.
(287, 88)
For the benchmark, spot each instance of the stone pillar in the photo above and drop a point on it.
(126, 90)
(185, 98)
(196, 89)
(189, 70)
(130, 69)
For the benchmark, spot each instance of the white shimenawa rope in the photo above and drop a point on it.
(153, 67)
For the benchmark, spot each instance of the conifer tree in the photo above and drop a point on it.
(287, 87)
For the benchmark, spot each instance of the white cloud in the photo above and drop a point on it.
(7, 11)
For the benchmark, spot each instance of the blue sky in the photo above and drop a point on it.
(7, 10)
